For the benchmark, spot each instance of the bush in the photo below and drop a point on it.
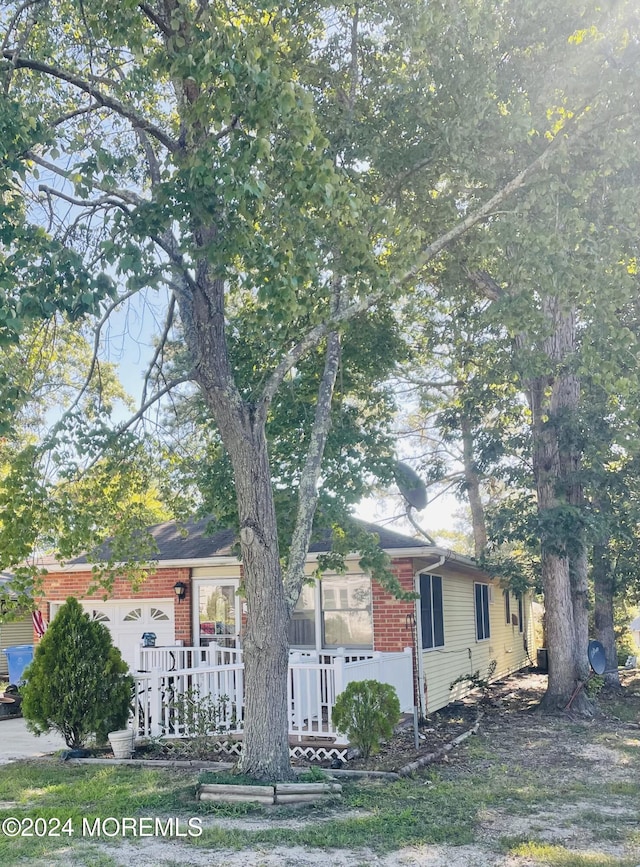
(78, 684)
(366, 712)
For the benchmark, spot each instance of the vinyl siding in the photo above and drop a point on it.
(11, 634)
(462, 652)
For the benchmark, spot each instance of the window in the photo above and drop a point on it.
(218, 611)
(507, 607)
(520, 613)
(346, 611)
(302, 626)
(431, 613)
(483, 630)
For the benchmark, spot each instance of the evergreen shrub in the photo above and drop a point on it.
(367, 712)
(78, 684)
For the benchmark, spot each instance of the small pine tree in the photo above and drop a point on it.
(366, 712)
(78, 684)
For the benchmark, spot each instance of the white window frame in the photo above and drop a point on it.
(195, 603)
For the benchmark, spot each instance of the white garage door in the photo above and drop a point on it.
(127, 620)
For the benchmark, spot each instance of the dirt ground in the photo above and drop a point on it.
(558, 791)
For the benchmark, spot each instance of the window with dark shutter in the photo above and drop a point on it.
(431, 611)
(520, 613)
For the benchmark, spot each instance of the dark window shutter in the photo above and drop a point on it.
(478, 589)
(426, 610)
(485, 610)
(438, 614)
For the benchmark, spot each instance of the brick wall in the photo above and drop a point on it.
(59, 585)
(393, 618)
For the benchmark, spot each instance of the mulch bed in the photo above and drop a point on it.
(510, 698)
(434, 733)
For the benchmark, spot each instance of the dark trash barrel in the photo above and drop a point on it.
(18, 658)
(543, 660)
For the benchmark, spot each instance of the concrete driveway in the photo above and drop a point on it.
(18, 743)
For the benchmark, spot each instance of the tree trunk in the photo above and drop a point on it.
(578, 573)
(560, 632)
(556, 463)
(603, 586)
(472, 483)
(564, 677)
(265, 753)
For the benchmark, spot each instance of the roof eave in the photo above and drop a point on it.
(446, 554)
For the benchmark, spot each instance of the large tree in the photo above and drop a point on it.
(558, 261)
(299, 163)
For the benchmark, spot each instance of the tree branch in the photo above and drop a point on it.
(138, 415)
(429, 383)
(484, 283)
(71, 114)
(83, 203)
(316, 334)
(152, 159)
(160, 346)
(308, 489)
(94, 358)
(14, 20)
(155, 19)
(103, 99)
(188, 377)
(126, 195)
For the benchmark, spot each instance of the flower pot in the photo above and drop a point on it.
(122, 743)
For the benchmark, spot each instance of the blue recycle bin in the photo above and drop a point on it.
(18, 658)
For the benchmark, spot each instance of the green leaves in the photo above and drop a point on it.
(77, 683)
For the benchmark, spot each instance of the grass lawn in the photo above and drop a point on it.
(528, 790)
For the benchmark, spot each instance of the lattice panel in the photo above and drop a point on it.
(229, 748)
(318, 754)
(299, 751)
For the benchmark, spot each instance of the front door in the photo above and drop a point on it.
(218, 612)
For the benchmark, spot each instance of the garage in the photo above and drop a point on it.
(127, 619)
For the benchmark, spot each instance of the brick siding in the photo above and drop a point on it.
(60, 585)
(393, 618)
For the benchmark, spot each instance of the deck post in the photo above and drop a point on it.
(155, 703)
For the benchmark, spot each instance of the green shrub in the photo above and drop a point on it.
(77, 683)
(201, 716)
(366, 712)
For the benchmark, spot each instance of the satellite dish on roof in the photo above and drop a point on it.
(411, 486)
(597, 657)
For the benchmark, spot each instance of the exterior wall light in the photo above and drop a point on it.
(180, 589)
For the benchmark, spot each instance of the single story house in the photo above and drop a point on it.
(461, 622)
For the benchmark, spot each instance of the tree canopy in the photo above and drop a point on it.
(283, 175)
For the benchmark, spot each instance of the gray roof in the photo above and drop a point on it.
(200, 540)
(635, 624)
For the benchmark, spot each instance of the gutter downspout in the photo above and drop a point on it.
(422, 681)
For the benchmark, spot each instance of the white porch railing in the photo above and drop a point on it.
(170, 658)
(167, 699)
(185, 702)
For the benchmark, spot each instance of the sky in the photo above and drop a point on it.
(129, 344)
